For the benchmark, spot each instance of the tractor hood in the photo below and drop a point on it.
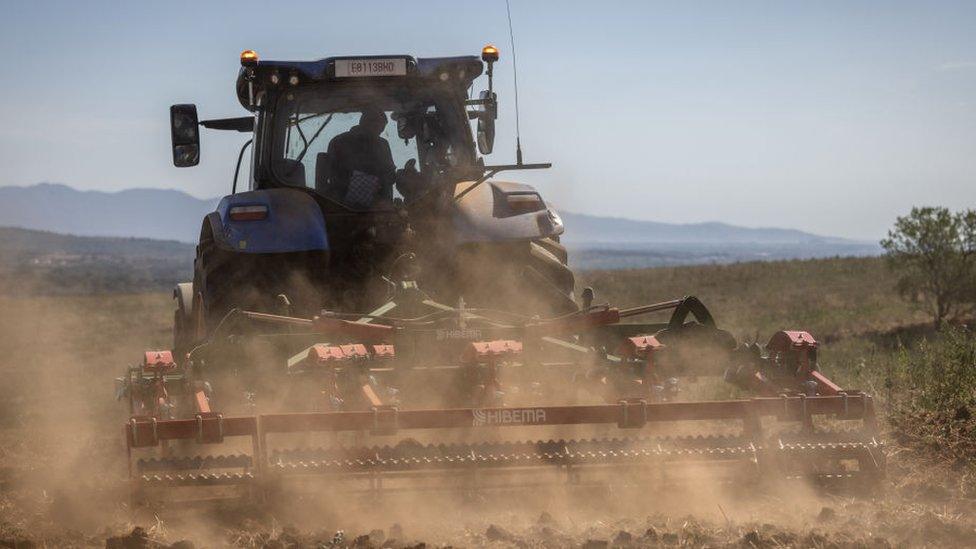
(500, 211)
(267, 76)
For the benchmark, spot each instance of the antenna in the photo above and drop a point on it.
(489, 54)
(518, 132)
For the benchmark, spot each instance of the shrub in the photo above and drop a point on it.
(939, 375)
(934, 253)
(931, 403)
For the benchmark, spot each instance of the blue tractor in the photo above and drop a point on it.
(366, 192)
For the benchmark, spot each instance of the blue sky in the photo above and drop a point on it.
(832, 117)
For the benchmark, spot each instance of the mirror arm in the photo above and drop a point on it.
(243, 124)
(237, 170)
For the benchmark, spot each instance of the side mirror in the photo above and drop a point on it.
(486, 122)
(184, 127)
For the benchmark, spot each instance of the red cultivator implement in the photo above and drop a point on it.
(445, 394)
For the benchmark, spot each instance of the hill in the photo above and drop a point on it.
(142, 213)
(616, 243)
(23, 244)
(591, 229)
(39, 262)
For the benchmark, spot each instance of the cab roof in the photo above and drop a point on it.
(458, 72)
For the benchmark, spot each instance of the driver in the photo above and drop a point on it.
(361, 168)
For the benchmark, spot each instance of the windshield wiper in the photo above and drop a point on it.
(308, 143)
(490, 171)
(300, 119)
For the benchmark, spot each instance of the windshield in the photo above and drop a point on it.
(365, 147)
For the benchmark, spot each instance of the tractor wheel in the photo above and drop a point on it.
(222, 281)
(547, 274)
(226, 280)
(212, 299)
(555, 248)
(184, 330)
(551, 257)
(530, 277)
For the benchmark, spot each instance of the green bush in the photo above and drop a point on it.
(932, 402)
(939, 375)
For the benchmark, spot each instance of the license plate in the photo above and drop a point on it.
(346, 68)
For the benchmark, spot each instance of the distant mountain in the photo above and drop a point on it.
(145, 213)
(596, 242)
(591, 229)
(614, 243)
(29, 245)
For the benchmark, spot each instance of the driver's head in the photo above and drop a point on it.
(373, 121)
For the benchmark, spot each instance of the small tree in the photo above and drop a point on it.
(934, 252)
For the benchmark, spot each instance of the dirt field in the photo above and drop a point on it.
(62, 462)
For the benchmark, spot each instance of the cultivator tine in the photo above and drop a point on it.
(197, 479)
(561, 452)
(195, 463)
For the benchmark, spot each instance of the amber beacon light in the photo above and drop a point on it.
(489, 54)
(249, 58)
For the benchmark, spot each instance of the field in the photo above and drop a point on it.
(61, 457)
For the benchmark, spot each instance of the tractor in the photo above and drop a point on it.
(308, 232)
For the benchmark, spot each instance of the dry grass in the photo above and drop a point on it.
(830, 298)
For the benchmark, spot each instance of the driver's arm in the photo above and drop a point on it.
(409, 181)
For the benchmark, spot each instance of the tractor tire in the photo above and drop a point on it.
(555, 248)
(224, 280)
(528, 277)
(211, 303)
(184, 328)
(551, 257)
(549, 275)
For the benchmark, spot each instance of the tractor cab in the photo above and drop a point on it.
(363, 133)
